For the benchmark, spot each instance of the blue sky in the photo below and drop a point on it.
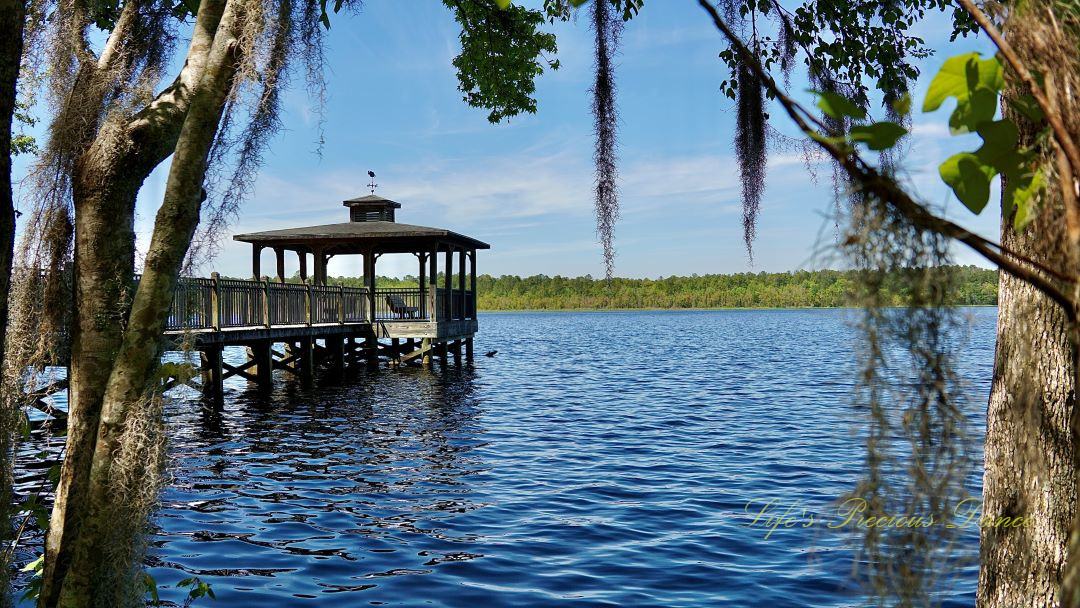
(526, 186)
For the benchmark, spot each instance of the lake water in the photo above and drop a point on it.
(599, 459)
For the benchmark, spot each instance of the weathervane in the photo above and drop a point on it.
(372, 185)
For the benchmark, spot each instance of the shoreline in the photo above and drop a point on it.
(509, 310)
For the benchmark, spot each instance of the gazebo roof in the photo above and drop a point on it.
(371, 199)
(357, 237)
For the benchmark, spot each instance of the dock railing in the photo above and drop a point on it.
(217, 303)
(455, 304)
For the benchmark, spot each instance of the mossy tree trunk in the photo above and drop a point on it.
(107, 179)
(12, 20)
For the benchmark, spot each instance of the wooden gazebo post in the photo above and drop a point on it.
(472, 286)
(369, 281)
(422, 258)
(256, 262)
(280, 254)
(447, 285)
(472, 283)
(319, 269)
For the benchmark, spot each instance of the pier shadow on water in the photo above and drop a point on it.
(304, 493)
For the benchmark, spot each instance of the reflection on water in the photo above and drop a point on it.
(600, 459)
(304, 493)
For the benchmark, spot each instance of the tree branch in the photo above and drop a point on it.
(1049, 109)
(159, 122)
(887, 189)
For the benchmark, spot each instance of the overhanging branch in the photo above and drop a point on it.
(884, 187)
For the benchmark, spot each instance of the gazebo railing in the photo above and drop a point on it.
(288, 303)
(217, 303)
(399, 304)
(455, 304)
(238, 303)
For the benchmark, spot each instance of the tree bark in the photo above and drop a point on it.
(133, 367)
(107, 179)
(1031, 469)
(12, 20)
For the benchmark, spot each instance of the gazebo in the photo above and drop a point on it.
(372, 232)
(438, 315)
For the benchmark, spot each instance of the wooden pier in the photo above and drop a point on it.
(298, 326)
(319, 324)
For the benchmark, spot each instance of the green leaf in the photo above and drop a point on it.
(902, 106)
(1027, 107)
(838, 106)
(974, 82)
(999, 149)
(34, 566)
(980, 107)
(1021, 193)
(969, 179)
(151, 587)
(878, 136)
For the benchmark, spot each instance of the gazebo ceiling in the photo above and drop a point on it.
(358, 237)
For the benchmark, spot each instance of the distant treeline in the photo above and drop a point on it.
(819, 288)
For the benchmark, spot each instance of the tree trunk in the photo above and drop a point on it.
(1030, 465)
(12, 19)
(106, 182)
(133, 367)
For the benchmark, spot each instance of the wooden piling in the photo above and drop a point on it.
(260, 353)
(425, 345)
(371, 351)
(469, 349)
(335, 353)
(212, 372)
(306, 361)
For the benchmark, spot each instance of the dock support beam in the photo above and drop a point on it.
(469, 348)
(306, 361)
(371, 351)
(212, 373)
(425, 345)
(335, 353)
(261, 353)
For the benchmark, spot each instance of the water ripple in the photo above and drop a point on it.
(601, 459)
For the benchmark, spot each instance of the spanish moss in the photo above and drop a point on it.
(607, 29)
(917, 451)
(750, 150)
